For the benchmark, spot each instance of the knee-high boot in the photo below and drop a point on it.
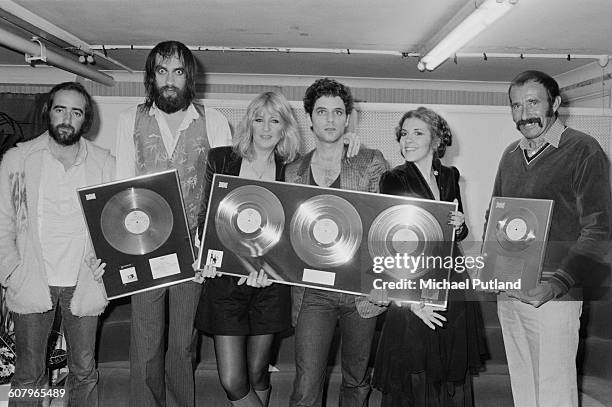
(264, 396)
(250, 400)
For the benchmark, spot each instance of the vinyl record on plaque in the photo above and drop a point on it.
(405, 229)
(250, 220)
(326, 231)
(136, 221)
(516, 229)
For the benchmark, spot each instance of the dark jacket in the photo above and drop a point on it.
(407, 180)
(224, 160)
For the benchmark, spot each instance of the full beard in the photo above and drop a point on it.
(170, 104)
(64, 134)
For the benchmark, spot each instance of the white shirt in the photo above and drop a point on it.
(217, 130)
(61, 226)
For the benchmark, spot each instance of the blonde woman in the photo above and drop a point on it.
(243, 318)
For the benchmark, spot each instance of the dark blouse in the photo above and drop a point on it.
(224, 160)
(409, 347)
(407, 180)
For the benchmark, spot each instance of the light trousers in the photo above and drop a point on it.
(541, 346)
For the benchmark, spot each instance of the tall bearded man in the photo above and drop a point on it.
(167, 131)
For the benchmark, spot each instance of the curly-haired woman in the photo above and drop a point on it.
(426, 356)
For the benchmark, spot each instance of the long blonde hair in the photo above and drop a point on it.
(289, 144)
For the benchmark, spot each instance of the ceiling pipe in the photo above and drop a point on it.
(285, 50)
(20, 44)
(603, 58)
(568, 56)
(37, 21)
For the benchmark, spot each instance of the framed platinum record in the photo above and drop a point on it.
(329, 239)
(515, 241)
(139, 229)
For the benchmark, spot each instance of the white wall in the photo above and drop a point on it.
(480, 135)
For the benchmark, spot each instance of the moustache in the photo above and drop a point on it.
(65, 134)
(530, 120)
(169, 87)
(65, 127)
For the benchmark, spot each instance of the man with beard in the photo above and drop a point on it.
(46, 257)
(167, 131)
(551, 161)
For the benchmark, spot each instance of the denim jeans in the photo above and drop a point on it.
(31, 337)
(314, 333)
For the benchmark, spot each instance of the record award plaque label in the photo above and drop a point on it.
(326, 238)
(139, 229)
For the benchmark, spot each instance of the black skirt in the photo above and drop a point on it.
(438, 357)
(226, 308)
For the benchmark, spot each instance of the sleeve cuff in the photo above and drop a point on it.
(461, 232)
(563, 280)
(4, 278)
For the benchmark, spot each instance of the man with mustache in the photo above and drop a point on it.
(167, 131)
(551, 161)
(46, 257)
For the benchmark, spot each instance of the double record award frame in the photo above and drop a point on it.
(330, 239)
(139, 229)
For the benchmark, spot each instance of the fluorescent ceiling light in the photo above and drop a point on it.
(471, 20)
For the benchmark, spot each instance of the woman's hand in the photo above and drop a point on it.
(97, 268)
(204, 273)
(428, 314)
(256, 279)
(457, 219)
(350, 139)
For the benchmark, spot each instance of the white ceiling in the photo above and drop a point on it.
(533, 26)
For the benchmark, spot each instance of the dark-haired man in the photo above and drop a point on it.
(551, 161)
(328, 105)
(167, 131)
(46, 257)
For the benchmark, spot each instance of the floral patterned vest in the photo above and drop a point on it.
(189, 157)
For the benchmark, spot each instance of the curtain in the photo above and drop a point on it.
(20, 118)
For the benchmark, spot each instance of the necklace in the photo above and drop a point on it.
(260, 174)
